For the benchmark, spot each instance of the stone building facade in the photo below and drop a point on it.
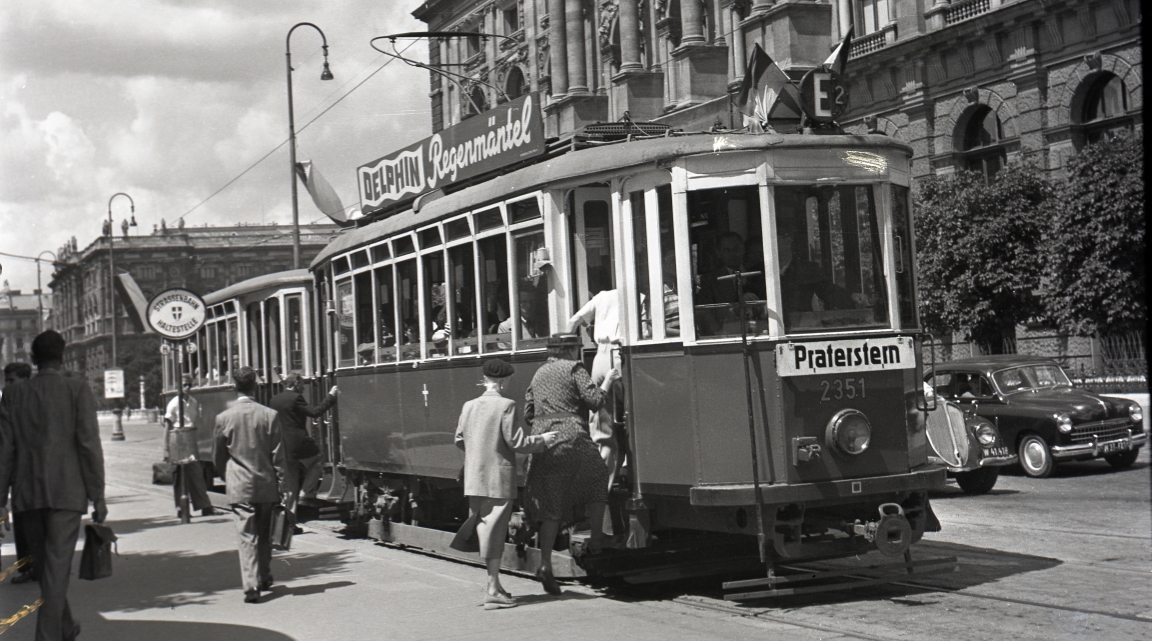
(200, 259)
(966, 83)
(18, 323)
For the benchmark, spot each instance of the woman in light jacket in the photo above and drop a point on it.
(489, 436)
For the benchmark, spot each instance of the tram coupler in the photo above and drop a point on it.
(892, 533)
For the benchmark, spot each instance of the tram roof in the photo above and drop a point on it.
(593, 164)
(276, 279)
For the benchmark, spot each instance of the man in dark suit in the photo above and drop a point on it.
(294, 411)
(50, 456)
(14, 373)
(715, 290)
(249, 448)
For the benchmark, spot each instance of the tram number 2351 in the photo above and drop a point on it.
(840, 388)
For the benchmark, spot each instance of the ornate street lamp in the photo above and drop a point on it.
(118, 428)
(324, 75)
(40, 292)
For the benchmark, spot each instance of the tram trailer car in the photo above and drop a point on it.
(415, 301)
(266, 323)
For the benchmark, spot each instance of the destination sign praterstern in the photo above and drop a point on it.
(845, 356)
(502, 136)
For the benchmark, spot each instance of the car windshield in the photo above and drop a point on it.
(1031, 377)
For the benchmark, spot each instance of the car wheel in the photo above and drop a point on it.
(979, 481)
(1035, 457)
(1123, 459)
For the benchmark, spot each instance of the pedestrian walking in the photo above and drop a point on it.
(14, 373)
(569, 480)
(488, 434)
(182, 448)
(303, 468)
(50, 456)
(249, 447)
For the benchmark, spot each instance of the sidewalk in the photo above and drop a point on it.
(176, 582)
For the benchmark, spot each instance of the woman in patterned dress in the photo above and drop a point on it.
(570, 479)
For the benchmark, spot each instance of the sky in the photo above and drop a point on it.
(169, 100)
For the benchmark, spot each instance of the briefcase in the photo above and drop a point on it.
(163, 473)
(96, 561)
(283, 526)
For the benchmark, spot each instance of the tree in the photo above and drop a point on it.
(1093, 281)
(978, 246)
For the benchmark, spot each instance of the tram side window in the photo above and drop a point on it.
(255, 343)
(667, 251)
(725, 235)
(409, 313)
(640, 255)
(386, 308)
(435, 303)
(212, 371)
(345, 314)
(902, 231)
(831, 268)
(221, 366)
(461, 276)
(196, 360)
(664, 252)
(295, 332)
(365, 337)
(272, 338)
(493, 261)
(233, 345)
(531, 292)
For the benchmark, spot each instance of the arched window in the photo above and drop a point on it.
(982, 148)
(1105, 108)
(515, 85)
(477, 104)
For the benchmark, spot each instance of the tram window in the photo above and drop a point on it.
(221, 366)
(272, 336)
(233, 345)
(386, 312)
(462, 301)
(488, 219)
(493, 262)
(831, 269)
(531, 292)
(195, 360)
(667, 251)
(340, 265)
(255, 349)
(409, 337)
(345, 310)
(434, 299)
(379, 253)
(295, 333)
(523, 210)
(365, 337)
(359, 259)
(902, 231)
(640, 255)
(404, 246)
(429, 238)
(457, 229)
(725, 237)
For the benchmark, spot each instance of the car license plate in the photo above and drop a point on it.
(995, 451)
(1108, 448)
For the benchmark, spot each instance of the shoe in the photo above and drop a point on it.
(498, 601)
(549, 582)
(24, 577)
(265, 586)
(208, 511)
(296, 529)
(252, 596)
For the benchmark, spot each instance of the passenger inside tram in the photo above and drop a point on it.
(528, 322)
(721, 219)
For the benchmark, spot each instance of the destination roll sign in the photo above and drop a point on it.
(176, 313)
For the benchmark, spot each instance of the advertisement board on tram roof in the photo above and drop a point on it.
(498, 137)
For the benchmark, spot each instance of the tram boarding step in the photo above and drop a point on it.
(793, 580)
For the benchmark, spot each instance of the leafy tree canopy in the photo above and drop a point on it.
(1093, 280)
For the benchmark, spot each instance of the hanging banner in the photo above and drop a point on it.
(496, 138)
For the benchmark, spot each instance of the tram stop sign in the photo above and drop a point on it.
(176, 314)
(823, 95)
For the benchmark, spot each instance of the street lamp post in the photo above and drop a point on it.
(324, 75)
(118, 428)
(40, 291)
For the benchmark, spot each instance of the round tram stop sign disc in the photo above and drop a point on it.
(176, 314)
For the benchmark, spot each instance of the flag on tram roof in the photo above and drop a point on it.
(839, 58)
(322, 193)
(764, 88)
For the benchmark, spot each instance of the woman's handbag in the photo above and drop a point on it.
(163, 473)
(283, 526)
(306, 449)
(96, 562)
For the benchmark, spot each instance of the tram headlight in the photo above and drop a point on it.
(849, 432)
(1064, 423)
(1136, 413)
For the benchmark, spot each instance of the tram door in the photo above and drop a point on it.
(590, 222)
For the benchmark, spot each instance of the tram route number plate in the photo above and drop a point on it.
(845, 356)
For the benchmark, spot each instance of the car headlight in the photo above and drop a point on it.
(849, 432)
(1064, 423)
(1136, 413)
(986, 434)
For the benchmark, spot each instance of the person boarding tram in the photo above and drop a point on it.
(602, 312)
(303, 467)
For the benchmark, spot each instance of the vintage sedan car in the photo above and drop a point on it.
(1043, 418)
(967, 444)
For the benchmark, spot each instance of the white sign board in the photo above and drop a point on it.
(113, 383)
(845, 356)
(176, 313)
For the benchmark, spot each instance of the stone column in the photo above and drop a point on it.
(630, 36)
(737, 44)
(760, 6)
(577, 70)
(557, 47)
(845, 16)
(691, 22)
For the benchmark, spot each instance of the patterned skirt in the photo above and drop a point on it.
(563, 480)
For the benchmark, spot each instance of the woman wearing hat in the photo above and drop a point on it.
(570, 479)
(489, 436)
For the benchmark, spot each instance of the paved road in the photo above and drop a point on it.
(1060, 558)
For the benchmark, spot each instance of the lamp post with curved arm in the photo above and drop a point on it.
(40, 292)
(324, 75)
(118, 428)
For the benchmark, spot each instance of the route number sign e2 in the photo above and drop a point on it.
(176, 314)
(823, 95)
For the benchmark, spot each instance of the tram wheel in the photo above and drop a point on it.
(979, 481)
(1123, 459)
(1035, 457)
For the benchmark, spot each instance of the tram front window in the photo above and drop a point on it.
(831, 268)
(725, 237)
